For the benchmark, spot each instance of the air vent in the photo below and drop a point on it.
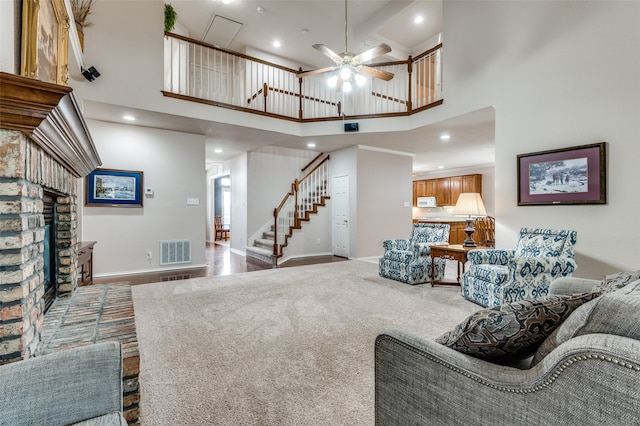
(175, 251)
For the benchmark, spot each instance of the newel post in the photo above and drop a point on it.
(265, 93)
(275, 232)
(409, 70)
(295, 187)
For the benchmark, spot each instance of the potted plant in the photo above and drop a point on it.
(170, 16)
(81, 10)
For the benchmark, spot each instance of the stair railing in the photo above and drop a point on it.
(305, 195)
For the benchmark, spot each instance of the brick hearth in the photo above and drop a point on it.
(94, 314)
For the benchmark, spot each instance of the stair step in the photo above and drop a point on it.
(264, 243)
(269, 235)
(260, 255)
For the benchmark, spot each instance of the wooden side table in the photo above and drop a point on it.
(451, 252)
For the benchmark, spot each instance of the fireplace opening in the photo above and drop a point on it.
(50, 282)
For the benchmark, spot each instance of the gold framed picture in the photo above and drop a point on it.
(45, 41)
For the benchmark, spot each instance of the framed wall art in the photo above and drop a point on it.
(575, 175)
(45, 41)
(113, 188)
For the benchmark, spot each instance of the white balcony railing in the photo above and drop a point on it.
(203, 73)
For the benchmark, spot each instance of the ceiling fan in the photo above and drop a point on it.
(349, 65)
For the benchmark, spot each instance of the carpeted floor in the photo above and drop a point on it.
(277, 347)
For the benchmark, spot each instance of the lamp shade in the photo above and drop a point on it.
(470, 204)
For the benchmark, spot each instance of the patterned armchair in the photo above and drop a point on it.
(499, 276)
(409, 260)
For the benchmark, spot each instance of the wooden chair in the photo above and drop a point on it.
(222, 232)
(485, 231)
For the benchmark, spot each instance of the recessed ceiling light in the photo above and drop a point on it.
(226, 1)
(217, 150)
(129, 117)
(445, 137)
(305, 31)
(418, 19)
(441, 167)
(311, 145)
(276, 43)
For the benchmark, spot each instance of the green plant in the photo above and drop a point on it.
(170, 16)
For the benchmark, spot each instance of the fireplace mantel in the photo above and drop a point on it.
(50, 116)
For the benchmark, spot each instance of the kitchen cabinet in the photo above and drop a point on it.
(447, 190)
(443, 194)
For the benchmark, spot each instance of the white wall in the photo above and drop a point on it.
(10, 46)
(124, 235)
(558, 74)
(379, 185)
(237, 167)
(271, 171)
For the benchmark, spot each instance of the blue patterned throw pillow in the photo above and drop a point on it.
(512, 330)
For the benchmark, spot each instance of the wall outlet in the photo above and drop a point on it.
(318, 241)
(149, 255)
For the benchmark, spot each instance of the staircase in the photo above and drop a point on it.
(298, 205)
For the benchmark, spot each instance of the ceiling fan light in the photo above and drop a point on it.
(345, 73)
(346, 87)
(360, 80)
(332, 81)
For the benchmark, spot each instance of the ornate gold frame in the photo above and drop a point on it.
(45, 55)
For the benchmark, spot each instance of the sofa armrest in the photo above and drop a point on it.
(535, 266)
(419, 381)
(396, 244)
(64, 387)
(572, 285)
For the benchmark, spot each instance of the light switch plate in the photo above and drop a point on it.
(193, 201)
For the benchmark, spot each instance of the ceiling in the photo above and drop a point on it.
(249, 26)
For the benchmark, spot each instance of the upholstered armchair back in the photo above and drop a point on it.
(535, 242)
(428, 233)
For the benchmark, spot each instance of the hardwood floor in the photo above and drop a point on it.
(223, 261)
(220, 261)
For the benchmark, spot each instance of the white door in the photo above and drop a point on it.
(340, 215)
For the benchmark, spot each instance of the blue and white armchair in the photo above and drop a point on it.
(499, 276)
(409, 260)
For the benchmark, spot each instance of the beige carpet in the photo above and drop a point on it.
(277, 347)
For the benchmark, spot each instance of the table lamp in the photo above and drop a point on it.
(469, 204)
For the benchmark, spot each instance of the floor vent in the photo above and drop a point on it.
(175, 277)
(175, 251)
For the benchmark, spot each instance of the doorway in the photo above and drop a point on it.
(340, 215)
(222, 201)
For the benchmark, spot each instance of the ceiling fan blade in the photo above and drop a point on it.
(372, 53)
(313, 72)
(374, 72)
(327, 52)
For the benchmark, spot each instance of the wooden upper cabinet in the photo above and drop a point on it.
(430, 188)
(472, 183)
(455, 188)
(447, 190)
(443, 194)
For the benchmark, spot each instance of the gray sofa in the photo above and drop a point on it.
(586, 372)
(76, 386)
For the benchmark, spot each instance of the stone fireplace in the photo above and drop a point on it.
(45, 147)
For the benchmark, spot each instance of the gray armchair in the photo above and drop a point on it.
(590, 378)
(76, 386)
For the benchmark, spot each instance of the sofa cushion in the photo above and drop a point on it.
(512, 330)
(614, 313)
(617, 281)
